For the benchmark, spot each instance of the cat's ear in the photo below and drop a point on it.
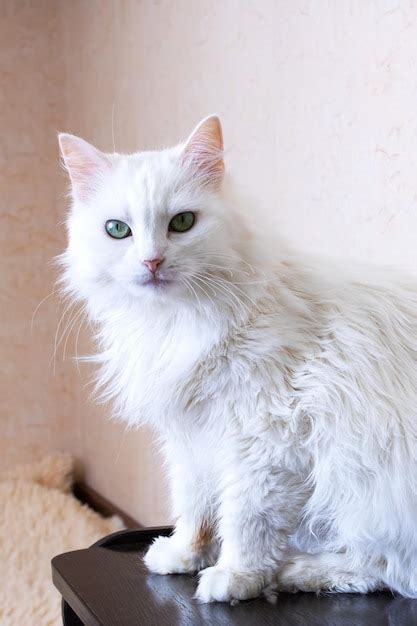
(204, 150)
(84, 163)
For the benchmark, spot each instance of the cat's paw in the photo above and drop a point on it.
(223, 585)
(165, 557)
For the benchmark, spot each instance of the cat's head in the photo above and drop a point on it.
(151, 226)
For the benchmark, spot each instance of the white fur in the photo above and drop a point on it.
(283, 388)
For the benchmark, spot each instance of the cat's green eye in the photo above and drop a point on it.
(117, 229)
(182, 222)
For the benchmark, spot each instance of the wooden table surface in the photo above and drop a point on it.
(108, 585)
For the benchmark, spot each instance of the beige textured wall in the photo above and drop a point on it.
(318, 101)
(35, 403)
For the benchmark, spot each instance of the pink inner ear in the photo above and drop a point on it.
(204, 150)
(83, 162)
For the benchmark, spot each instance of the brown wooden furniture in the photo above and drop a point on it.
(107, 585)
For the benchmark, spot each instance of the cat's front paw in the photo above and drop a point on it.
(218, 584)
(166, 557)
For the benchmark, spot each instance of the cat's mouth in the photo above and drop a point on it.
(153, 281)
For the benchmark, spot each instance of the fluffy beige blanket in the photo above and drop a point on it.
(40, 518)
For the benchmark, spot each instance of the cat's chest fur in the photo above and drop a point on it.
(178, 370)
(148, 363)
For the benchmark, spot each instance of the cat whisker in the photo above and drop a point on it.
(264, 280)
(225, 284)
(185, 282)
(76, 318)
(239, 289)
(208, 280)
(56, 342)
(53, 292)
(220, 267)
(245, 310)
(193, 278)
(229, 270)
(228, 256)
(77, 359)
(256, 282)
(65, 334)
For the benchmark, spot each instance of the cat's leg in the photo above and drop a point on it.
(259, 506)
(192, 545)
(328, 572)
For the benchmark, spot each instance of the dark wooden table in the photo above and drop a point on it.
(108, 585)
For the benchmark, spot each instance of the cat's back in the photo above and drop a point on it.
(372, 310)
(361, 385)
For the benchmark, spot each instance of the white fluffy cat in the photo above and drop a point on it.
(283, 389)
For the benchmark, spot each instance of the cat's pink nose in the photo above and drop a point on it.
(153, 264)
